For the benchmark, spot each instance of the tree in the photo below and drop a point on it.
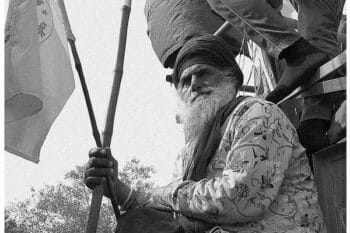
(135, 174)
(64, 207)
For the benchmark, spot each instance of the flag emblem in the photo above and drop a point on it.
(45, 23)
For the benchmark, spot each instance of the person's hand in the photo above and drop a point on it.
(337, 128)
(100, 166)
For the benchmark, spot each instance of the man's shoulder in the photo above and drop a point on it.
(256, 107)
(254, 103)
(255, 99)
(260, 113)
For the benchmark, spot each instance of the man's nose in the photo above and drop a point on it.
(196, 84)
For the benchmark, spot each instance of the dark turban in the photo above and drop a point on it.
(209, 50)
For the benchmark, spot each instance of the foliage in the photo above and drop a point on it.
(134, 174)
(64, 207)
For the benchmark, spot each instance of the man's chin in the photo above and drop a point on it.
(198, 116)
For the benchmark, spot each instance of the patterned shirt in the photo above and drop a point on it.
(258, 181)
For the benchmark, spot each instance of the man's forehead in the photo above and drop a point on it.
(195, 68)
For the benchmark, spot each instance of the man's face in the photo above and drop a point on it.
(202, 90)
(198, 80)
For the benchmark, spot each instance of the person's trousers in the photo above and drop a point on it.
(318, 23)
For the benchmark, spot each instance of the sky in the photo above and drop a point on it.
(145, 125)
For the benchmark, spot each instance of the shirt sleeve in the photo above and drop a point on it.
(159, 197)
(257, 158)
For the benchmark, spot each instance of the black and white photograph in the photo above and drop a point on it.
(174, 116)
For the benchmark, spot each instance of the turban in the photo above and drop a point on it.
(209, 50)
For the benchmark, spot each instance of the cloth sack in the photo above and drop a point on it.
(170, 23)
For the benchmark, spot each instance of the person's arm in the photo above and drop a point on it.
(255, 166)
(101, 165)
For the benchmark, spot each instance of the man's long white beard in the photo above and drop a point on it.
(198, 115)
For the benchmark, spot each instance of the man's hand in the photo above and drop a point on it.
(100, 166)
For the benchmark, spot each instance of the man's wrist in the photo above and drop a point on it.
(122, 191)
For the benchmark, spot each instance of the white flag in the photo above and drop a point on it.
(38, 74)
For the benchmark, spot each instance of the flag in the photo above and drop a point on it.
(38, 74)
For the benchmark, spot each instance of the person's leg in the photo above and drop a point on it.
(314, 122)
(322, 121)
(319, 21)
(260, 21)
(302, 59)
(265, 27)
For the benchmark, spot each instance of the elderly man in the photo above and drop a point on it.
(244, 168)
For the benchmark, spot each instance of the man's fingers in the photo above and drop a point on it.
(107, 151)
(92, 182)
(99, 163)
(98, 152)
(98, 172)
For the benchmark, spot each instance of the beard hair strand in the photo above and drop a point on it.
(198, 115)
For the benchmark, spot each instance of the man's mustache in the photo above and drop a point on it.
(199, 93)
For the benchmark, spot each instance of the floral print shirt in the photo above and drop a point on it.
(258, 181)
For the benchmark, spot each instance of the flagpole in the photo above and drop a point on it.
(96, 203)
(71, 39)
(79, 69)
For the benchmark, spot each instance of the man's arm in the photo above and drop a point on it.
(101, 165)
(255, 166)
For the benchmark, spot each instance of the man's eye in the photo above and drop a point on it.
(203, 72)
(186, 80)
(200, 73)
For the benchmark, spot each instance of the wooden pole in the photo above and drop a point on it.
(95, 131)
(118, 73)
(96, 203)
(80, 72)
(78, 67)
(108, 129)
